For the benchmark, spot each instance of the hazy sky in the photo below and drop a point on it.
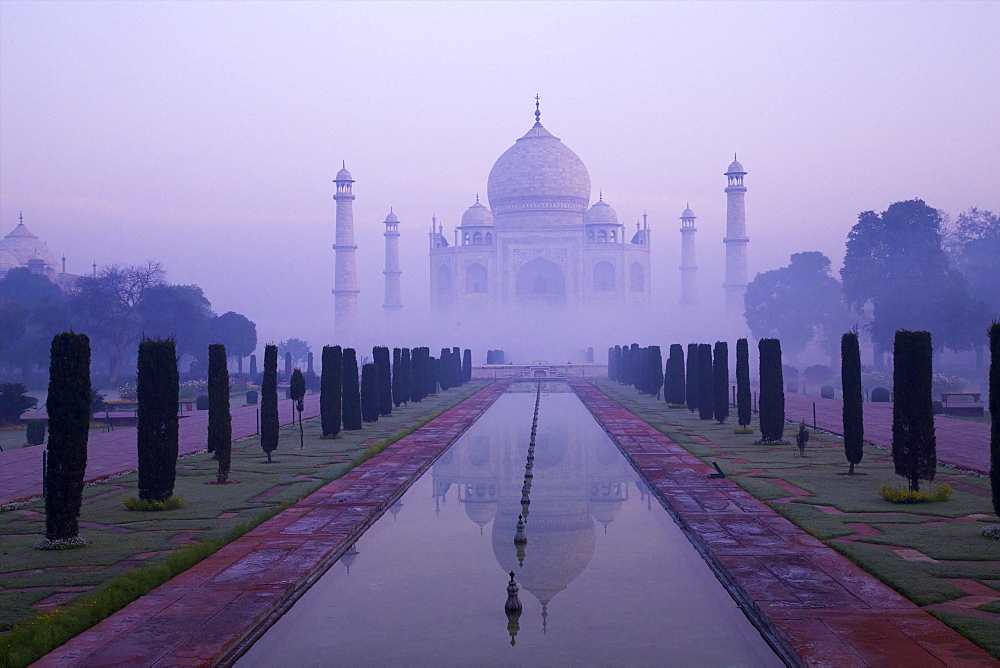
(205, 135)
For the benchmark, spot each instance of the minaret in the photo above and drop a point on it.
(393, 298)
(345, 289)
(689, 265)
(736, 240)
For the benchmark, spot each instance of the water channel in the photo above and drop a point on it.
(606, 576)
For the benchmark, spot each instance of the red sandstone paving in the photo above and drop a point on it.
(827, 609)
(205, 611)
(115, 452)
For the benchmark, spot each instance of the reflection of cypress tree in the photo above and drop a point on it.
(269, 402)
(68, 407)
(331, 387)
(772, 392)
(691, 385)
(995, 413)
(404, 377)
(466, 365)
(743, 382)
(369, 392)
(914, 448)
(720, 382)
(220, 426)
(352, 391)
(850, 377)
(157, 389)
(384, 372)
(705, 401)
(397, 377)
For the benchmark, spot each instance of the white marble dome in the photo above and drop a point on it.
(688, 213)
(601, 214)
(538, 172)
(736, 168)
(344, 175)
(24, 246)
(477, 215)
(391, 217)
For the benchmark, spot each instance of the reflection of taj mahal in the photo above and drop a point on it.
(538, 243)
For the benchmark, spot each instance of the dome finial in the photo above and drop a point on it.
(477, 197)
(343, 164)
(538, 113)
(734, 157)
(600, 195)
(20, 217)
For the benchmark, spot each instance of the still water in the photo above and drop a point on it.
(606, 577)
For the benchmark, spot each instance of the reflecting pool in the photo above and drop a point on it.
(605, 577)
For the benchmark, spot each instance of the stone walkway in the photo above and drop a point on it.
(963, 443)
(819, 604)
(205, 613)
(112, 453)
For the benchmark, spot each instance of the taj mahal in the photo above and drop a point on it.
(540, 245)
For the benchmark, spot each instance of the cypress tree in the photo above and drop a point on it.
(456, 367)
(705, 381)
(269, 402)
(369, 392)
(68, 407)
(157, 388)
(404, 376)
(446, 363)
(772, 392)
(433, 374)
(397, 380)
(253, 368)
(611, 363)
(691, 384)
(296, 392)
(634, 368)
(417, 382)
(330, 388)
(743, 382)
(466, 365)
(381, 357)
(654, 370)
(850, 376)
(720, 382)
(220, 422)
(675, 382)
(995, 414)
(914, 449)
(352, 391)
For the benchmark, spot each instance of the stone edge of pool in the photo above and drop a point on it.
(817, 606)
(210, 613)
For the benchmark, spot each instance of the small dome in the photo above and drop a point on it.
(391, 218)
(477, 215)
(601, 214)
(736, 167)
(688, 213)
(344, 175)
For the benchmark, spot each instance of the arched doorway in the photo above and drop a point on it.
(604, 277)
(476, 279)
(540, 282)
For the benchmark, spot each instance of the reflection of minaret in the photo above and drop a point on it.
(689, 265)
(736, 241)
(345, 274)
(348, 557)
(393, 299)
(395, 509)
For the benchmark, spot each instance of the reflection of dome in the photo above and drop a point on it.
(479, 453)
(480, 512)
(477, 215)
(607, 511)
(607, 453)
(601, 214)
(551, 449)
(538, 171)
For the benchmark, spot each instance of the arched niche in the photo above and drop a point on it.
(604, 277)
(476, 279)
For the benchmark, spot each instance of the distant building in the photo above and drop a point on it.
(22, 248)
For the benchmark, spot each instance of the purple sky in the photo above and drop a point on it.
(205, 135)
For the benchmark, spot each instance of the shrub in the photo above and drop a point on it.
(675, 380)
(654, 370)
(331, 389)
(937, 407)
(397, 377)
(914, 447)
(772, 399)
(720, 382)
(853, 408)
(418, 364)
(881, 395)
(252, 397)
(893, 495)
(467, 365)
(201, 402)
(827, 392)
(36, 432)
(14, 401)
(743, 383)
(351, 397)
(384, 373)
(705, 398)
(269, 402)
(691, 382)
(68, 406)
(220, 421)
(445, 362)
(406, 369)
(173, 503)
(156, 437)
(296, 392)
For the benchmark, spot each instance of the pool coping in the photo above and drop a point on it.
(211, 613)
(812, 604)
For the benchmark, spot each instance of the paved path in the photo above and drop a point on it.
(115, 452)
(964, 443)
(818, 603)
(203, 614)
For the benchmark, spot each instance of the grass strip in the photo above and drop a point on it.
(376, 448)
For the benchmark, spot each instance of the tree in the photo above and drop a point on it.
(611, 364)
(797, 303)
(296, 392)
(288, 365)
(691, 388)
(32, 310)
(743, 382)
(850, 378)
(220, 421)
(994, 413)
(269, 402)
(178, 311)
(331, 387)
(381, 356)
(352, 391)
(466, 365)
(720, 382)
(705, 400)
(157, 388)
(619, 370)
(914, 447)
(68, 406)
(298, 349)
(105, 306)
(772, 392)
(418, 372)
(238, 333)
(369, 392)
(654, 370)
(674, 382)
(446, 362)
(14, 401)
(634, 359)
(397, 377)
(404, 376)
(455, 364)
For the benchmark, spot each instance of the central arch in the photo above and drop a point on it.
(541, 282)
